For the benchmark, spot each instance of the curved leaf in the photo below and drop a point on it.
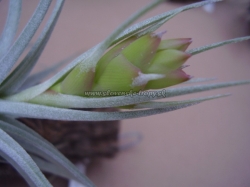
(11, 25)
(214, 45)
(69, 101)
(153, 104)
(11, 57)
(44, 112)
(34, 143)
(11, 151)
(49, 167)
(20, 73)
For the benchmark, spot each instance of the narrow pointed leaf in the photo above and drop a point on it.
(44, 112)
(39, 146)
(155, 26)
(21, 72)
(11, 151)
(11, 25)
(10, 58)
(68, 101)
(214, 45)
(20, 125)
(154, 104)
(49, 167)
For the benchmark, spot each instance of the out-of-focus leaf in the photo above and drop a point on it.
(34, 143)
(11, 25)
(11, 151)
(49, 167)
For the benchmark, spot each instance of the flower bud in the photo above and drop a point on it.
(134, 64)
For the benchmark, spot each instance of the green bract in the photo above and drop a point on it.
(135, 64)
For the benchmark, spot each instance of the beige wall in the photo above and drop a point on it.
(205, 145)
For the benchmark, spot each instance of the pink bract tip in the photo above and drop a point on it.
(160, 34)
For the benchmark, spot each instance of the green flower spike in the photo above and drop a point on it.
(135, 64)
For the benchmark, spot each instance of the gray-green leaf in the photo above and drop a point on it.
(11, 151)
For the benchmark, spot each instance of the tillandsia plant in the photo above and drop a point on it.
(136, 60)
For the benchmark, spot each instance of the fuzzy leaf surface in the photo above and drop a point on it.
(11, 25)
(34, 143)
(49, 167)
(11, 57)
(44, 112)
(21, 72)
(154, 104)
(215, 45)
(11, 151)
(69, 101)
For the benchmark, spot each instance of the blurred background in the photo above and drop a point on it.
(204, 145)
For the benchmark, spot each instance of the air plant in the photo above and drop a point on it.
(136, 61)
